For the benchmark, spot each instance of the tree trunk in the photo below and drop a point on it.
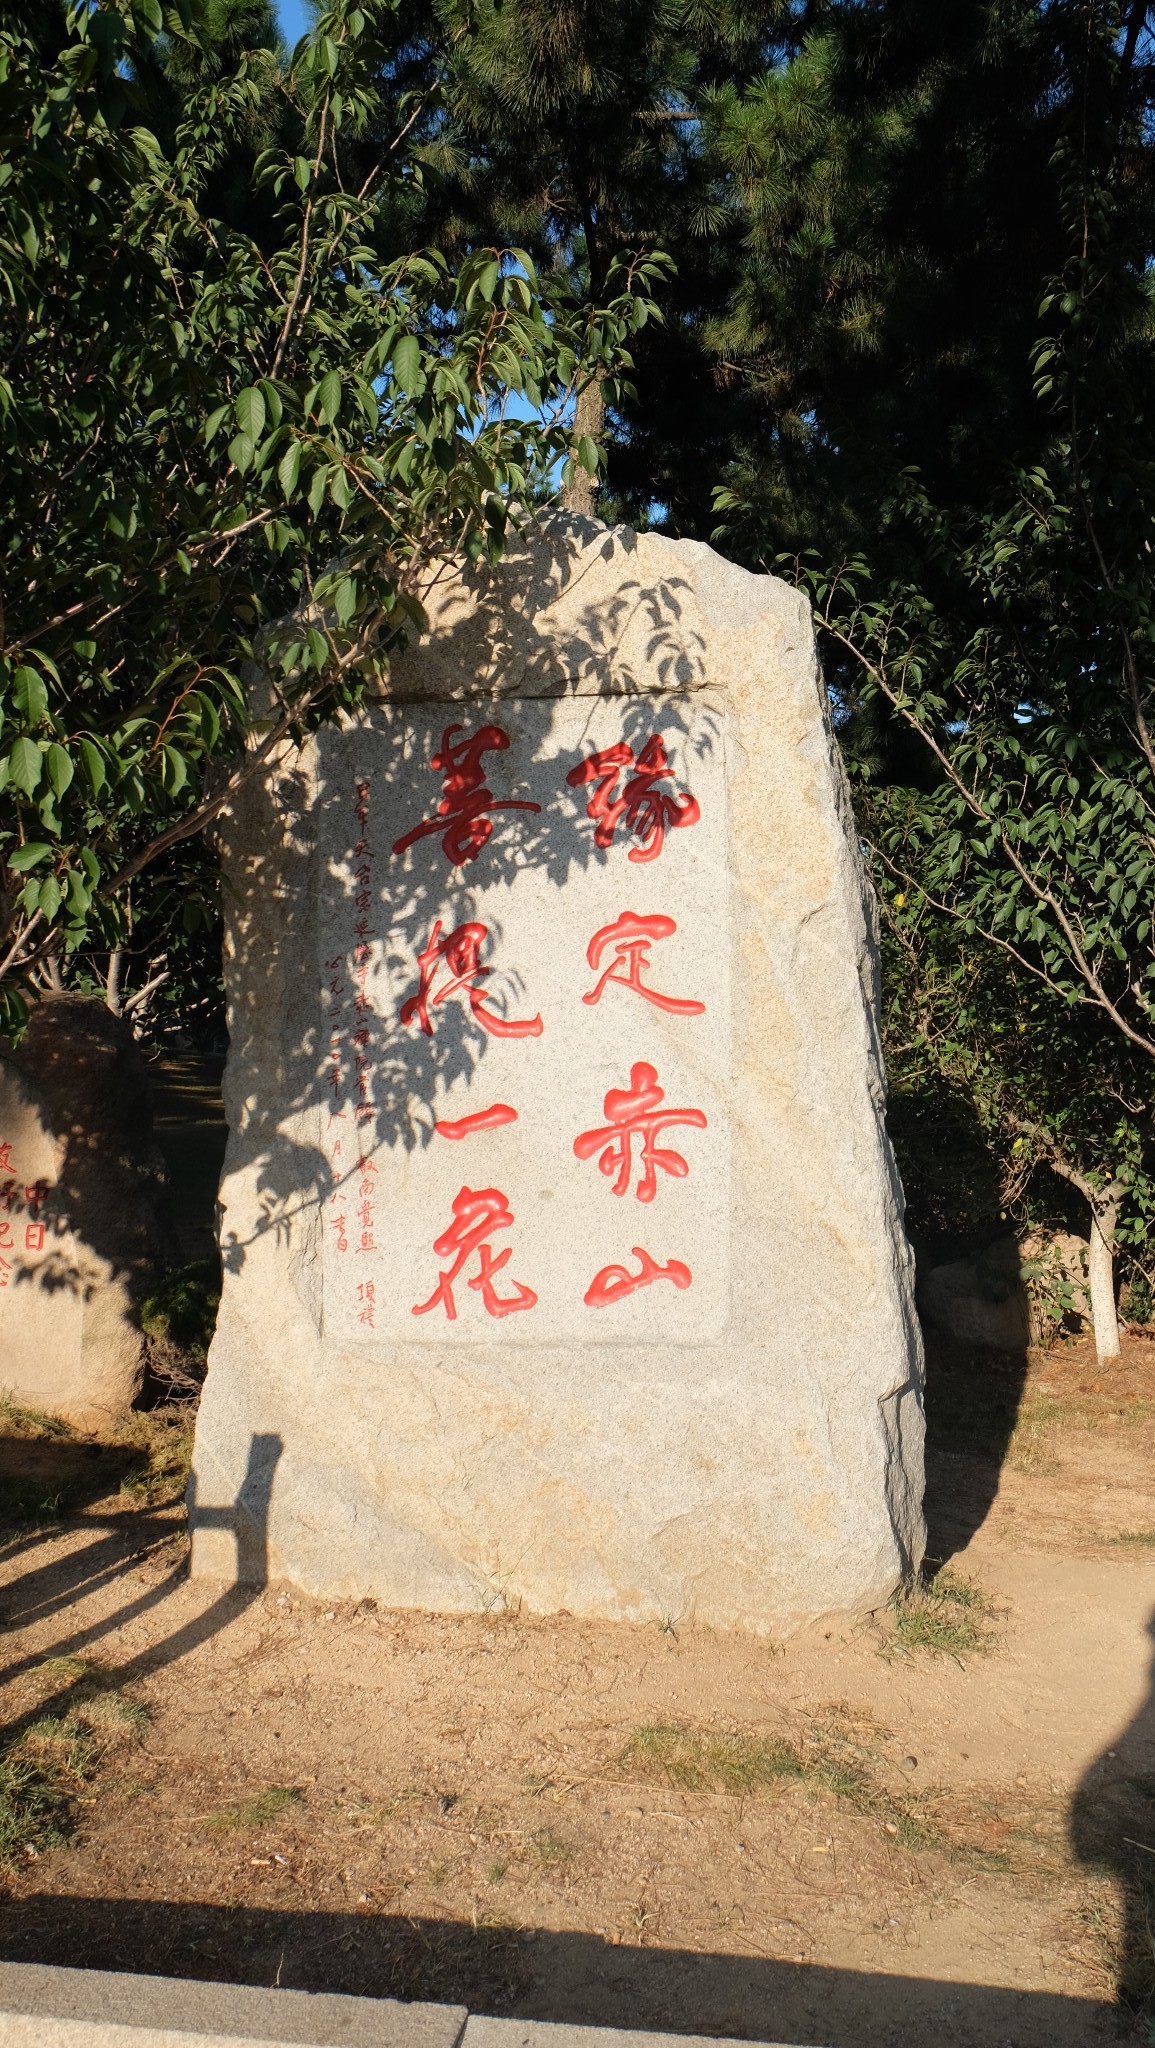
(112, 981)
(581, 495)
(1101, 1273)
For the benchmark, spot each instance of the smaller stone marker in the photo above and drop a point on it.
(82, 1225)
(562, 1239)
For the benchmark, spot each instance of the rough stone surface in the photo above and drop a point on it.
(81, 1212)
(657, 1372)
(481, 2032)
(980, 1300)
(48, 2007)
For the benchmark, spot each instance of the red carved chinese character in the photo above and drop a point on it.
(631, 937)
(7, 1241)
(615, 1283)
(337, 1226)
(637, 1111)
(460, 953)
(6, 1165)
(34, 1237)
(5, 1269)
(36, 1196)
(460, 817)
(367, 1298)
(481, 1120)
(648, 811)
(476, 1215)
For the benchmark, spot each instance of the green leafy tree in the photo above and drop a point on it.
(229, 461)
(946, 313)
(1020, 659)
(1059, 1109)
(572, 128)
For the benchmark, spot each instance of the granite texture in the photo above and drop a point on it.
(563, 1246)
(82, 1212)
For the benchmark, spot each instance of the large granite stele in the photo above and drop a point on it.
(563, 1246)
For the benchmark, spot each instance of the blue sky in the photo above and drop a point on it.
(293, 16)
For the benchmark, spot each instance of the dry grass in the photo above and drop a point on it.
(948, 1615)
(19, 1420)
(824, 1762)
(272, 1803)
(47, 1767)
(163, 1439)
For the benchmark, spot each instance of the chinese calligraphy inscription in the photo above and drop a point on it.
(509, 985)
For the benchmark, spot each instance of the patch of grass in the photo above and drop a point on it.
(61, 1670)
(112, 1711)
(31, 1421)
(95, 1701)
(947, 1615)
(28, 1504)
(497, 1872)
(33, 1806)
(549, 1848)
(1143, 1539)
(163, 1441)
(256, 1811)
(57, 1757)
(1028, 1444)
(697, 1760)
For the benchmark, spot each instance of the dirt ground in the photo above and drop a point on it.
(937, 1825)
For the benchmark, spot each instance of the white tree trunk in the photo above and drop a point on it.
(1101, 1273)
(112, 980)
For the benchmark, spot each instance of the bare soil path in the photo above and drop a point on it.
(938, 1825)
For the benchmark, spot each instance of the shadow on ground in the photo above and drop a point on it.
(972, 1405)
(575, 1978)
(116, 1541)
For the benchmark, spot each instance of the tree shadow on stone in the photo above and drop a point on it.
(279, 827)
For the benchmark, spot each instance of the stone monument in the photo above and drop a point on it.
(563, 1246)
(83, 1224)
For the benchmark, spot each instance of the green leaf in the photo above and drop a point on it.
(29, 694)
(289, 469)
(329, 396)
(407, 364)
(272, 398)
(241, 452)
(250, 412)
(24, 857)
(24, 765)
(60, 768)
(588, 454)
(50, 898)
(94, 763)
